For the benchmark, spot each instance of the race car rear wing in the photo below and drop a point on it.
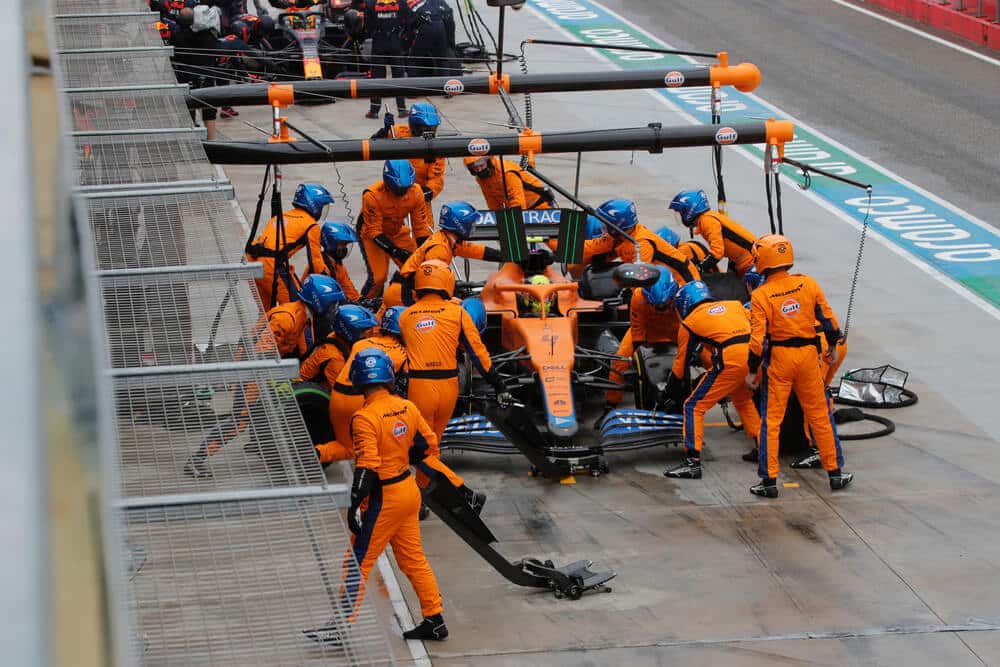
(513, 227)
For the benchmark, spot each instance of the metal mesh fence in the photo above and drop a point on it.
(232, 542)
(63, 7)
(243, 429)
(141, 159)
(236, 583)
(107, 31)
(196, 228)
(179, 319)
(93, 70)
(129, 110)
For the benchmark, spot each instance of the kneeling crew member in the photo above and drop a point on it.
(725, 236)
(722, 330)
(456, 222)
(652, 248)
(346, 399)
(323, 365)
(294, 327)
(388, 435)
(382, 224)
(433, 330)
(783, 315)
(651, 321)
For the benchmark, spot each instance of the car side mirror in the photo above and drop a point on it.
(636, 275)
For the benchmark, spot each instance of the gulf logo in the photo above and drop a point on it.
(454, 87)
(399, 429)
(673, 79)
(790, 308)
(426, 324)
(717, 310)
(479, 147)
(726, 135)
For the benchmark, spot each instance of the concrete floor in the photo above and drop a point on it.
(900, 569)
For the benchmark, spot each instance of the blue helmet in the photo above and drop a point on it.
(668, 235)
(595, 228)
(351, 322)
(320, 292)
(691, 295)
(390, 319)
(332, 234)
(371, 366)
(477, 311)
(752, 279)
(690, 204)
(398, 175)
(312, 198)
(621, 212)
(423, 117)
(459, 218)
(661, 293)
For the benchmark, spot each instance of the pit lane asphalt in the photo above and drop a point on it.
(929, 113)
(901, 568)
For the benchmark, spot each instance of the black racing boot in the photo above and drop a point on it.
(752, 456)
(328, 634)
(475, 499)
(839, 479)
(432, 627)
(811, 460)
(425, 512)
(768, 488)
(197, 467)
(690, 469)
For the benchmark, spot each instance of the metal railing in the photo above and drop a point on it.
(226, 561)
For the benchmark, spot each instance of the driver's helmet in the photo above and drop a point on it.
(529, 303)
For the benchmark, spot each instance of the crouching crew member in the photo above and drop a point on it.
(722, 330)
(456, 222)
(652, 321)
(346, 399)
(725, 236)
(505, 185)
(388, 435)
(783, 315)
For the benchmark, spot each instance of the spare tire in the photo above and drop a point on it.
(727, 286)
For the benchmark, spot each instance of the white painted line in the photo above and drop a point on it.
(417, 650)
(940, 277)
(919, 32)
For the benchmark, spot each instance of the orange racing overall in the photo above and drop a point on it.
(726, 238)
(433, 329)
(387, 434)
(300, 230)
(346, 399)
(783, 315)
(723, 331)
(439, 246)
(651, 249)
(647, 326)
(382, 212)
